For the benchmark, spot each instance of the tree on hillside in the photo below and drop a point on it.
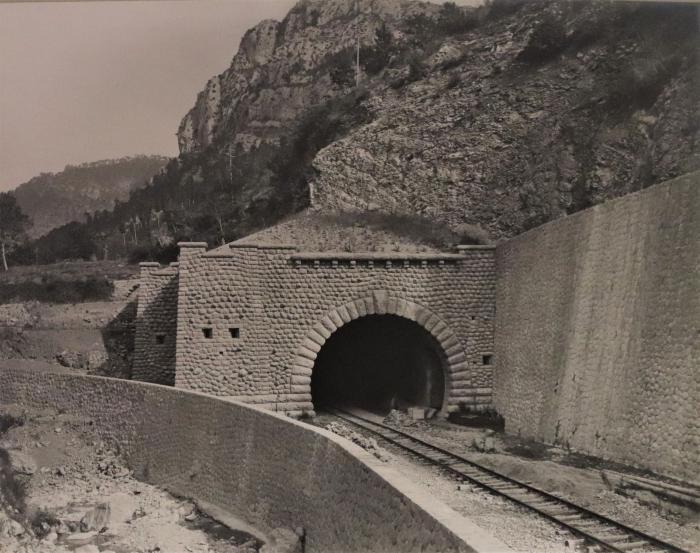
(454, 19)
(13, 224)
(376, 57)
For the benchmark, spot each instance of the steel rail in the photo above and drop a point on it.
(562, 512)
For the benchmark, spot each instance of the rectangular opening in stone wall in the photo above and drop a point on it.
(486, 359)
(208, 333)
(235, 332)
(160, 338)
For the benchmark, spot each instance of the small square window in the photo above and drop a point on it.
(235, 332)
(486, 359)
(208, 333)
(160, 338)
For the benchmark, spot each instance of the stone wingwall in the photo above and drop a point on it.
(252, 318)
(268, 470)
(156, 324)
(598, 330)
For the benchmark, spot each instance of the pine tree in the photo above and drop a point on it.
(13, 224)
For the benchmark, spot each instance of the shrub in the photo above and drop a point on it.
(414, 228)
(420, 27)
(161, 254)
(341, 68)
(453, 81)
(42, 521)
(638, 86)
(9, 421)
(496, 9)
(546, 42)
(13, 492)
(57, 290)
(453, 62)
(468, 234)
(374, 58)
(453, 19)
(416, 70)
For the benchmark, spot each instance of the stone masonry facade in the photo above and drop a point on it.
(156, 315)
(598, 330)
(582, 332)
(251, 319)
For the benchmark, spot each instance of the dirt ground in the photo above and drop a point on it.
(80, 497)
(569, 476)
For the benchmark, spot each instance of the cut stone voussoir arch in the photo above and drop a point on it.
(380, 303)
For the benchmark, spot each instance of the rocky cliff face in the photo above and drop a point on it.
(281, 68)
(487, 138)
(532, 111)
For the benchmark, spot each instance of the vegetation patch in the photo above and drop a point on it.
(413, 228)
(546, 42)
(9, 421)
(50, 290)
(42, 521)
(13, 491)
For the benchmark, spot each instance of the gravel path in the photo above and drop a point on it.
(548, 468)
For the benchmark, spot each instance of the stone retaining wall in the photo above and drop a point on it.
(598, 330)
(266, 469)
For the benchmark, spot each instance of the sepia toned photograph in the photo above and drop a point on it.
(349, 276)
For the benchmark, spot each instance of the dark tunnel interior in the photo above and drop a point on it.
(379, 363)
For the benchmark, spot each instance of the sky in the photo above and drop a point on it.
(84, 81)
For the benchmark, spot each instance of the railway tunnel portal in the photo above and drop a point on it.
(290, 330)
(379, 363)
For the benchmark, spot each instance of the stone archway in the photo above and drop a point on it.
(381, 303)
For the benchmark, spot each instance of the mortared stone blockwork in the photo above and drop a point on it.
(248, 321)
(583, 332)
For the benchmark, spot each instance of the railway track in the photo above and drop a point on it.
(590, 528)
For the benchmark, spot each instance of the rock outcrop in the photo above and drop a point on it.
(280, 69)
(484, 138)
(538, 110)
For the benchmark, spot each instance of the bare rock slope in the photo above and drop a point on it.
(505, 116)
(282, 68)
(487, 137)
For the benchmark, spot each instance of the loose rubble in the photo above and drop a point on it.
(80, 497)
(369, 444)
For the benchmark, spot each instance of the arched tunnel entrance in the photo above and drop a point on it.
(379, 363)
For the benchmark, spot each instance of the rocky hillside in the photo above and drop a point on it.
(505, 116)
(527, 118)
(497, 118)
(284, 67)
(54, 199)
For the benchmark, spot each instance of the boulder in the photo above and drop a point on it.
(89, 548)
(283, 540)
(22, 463)
(122, 507)
(96, 519)
(9, 527)
(80, 538)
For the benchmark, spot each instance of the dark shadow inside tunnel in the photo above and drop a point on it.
(379, 363)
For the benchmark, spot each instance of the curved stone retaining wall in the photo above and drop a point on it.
(266, 469)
